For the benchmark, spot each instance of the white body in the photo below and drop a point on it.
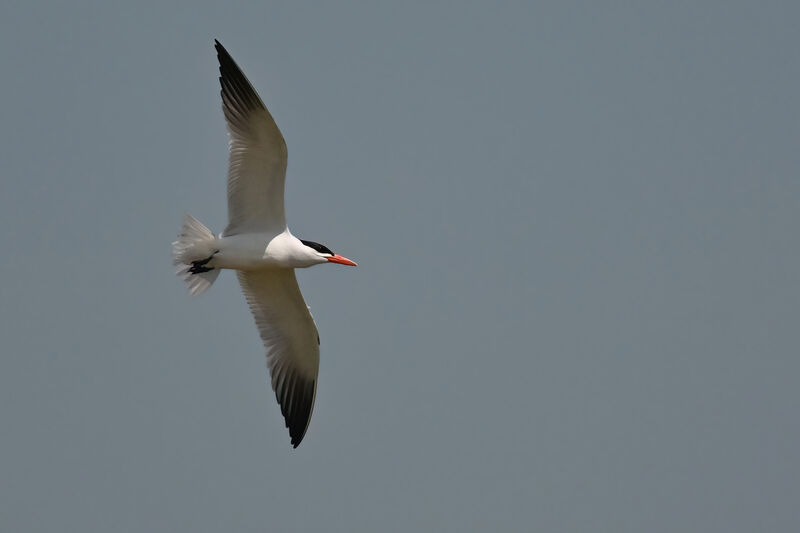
(250, 251)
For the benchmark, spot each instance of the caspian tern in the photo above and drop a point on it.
(258, 245)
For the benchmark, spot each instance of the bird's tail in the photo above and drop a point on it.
(192, 253)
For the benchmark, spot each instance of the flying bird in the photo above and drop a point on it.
(258, 245)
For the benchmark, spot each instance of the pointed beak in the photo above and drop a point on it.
(341, 260)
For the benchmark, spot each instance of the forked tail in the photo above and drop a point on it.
(192, 252)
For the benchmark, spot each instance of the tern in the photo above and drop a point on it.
(258, 245)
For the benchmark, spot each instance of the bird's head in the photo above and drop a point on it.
(325, 254)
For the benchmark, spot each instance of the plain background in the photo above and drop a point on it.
(577, 302)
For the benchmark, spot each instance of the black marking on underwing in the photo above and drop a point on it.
(238, 95)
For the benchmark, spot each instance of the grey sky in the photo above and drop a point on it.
(577, 300)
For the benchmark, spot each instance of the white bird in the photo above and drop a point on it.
(257, 244)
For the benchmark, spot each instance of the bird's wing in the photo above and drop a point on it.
(257, 165)
(291, 339)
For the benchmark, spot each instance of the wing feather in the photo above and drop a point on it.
(257, 158)
(291, 340)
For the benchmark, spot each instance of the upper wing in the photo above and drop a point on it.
(257, 166)
(291, 339)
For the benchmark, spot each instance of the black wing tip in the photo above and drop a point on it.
(302, 405)
(297, 426)
(297, 431)
(237, 92)
(222, 52)
(224, 58)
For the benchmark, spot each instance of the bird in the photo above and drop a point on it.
(258, 245)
